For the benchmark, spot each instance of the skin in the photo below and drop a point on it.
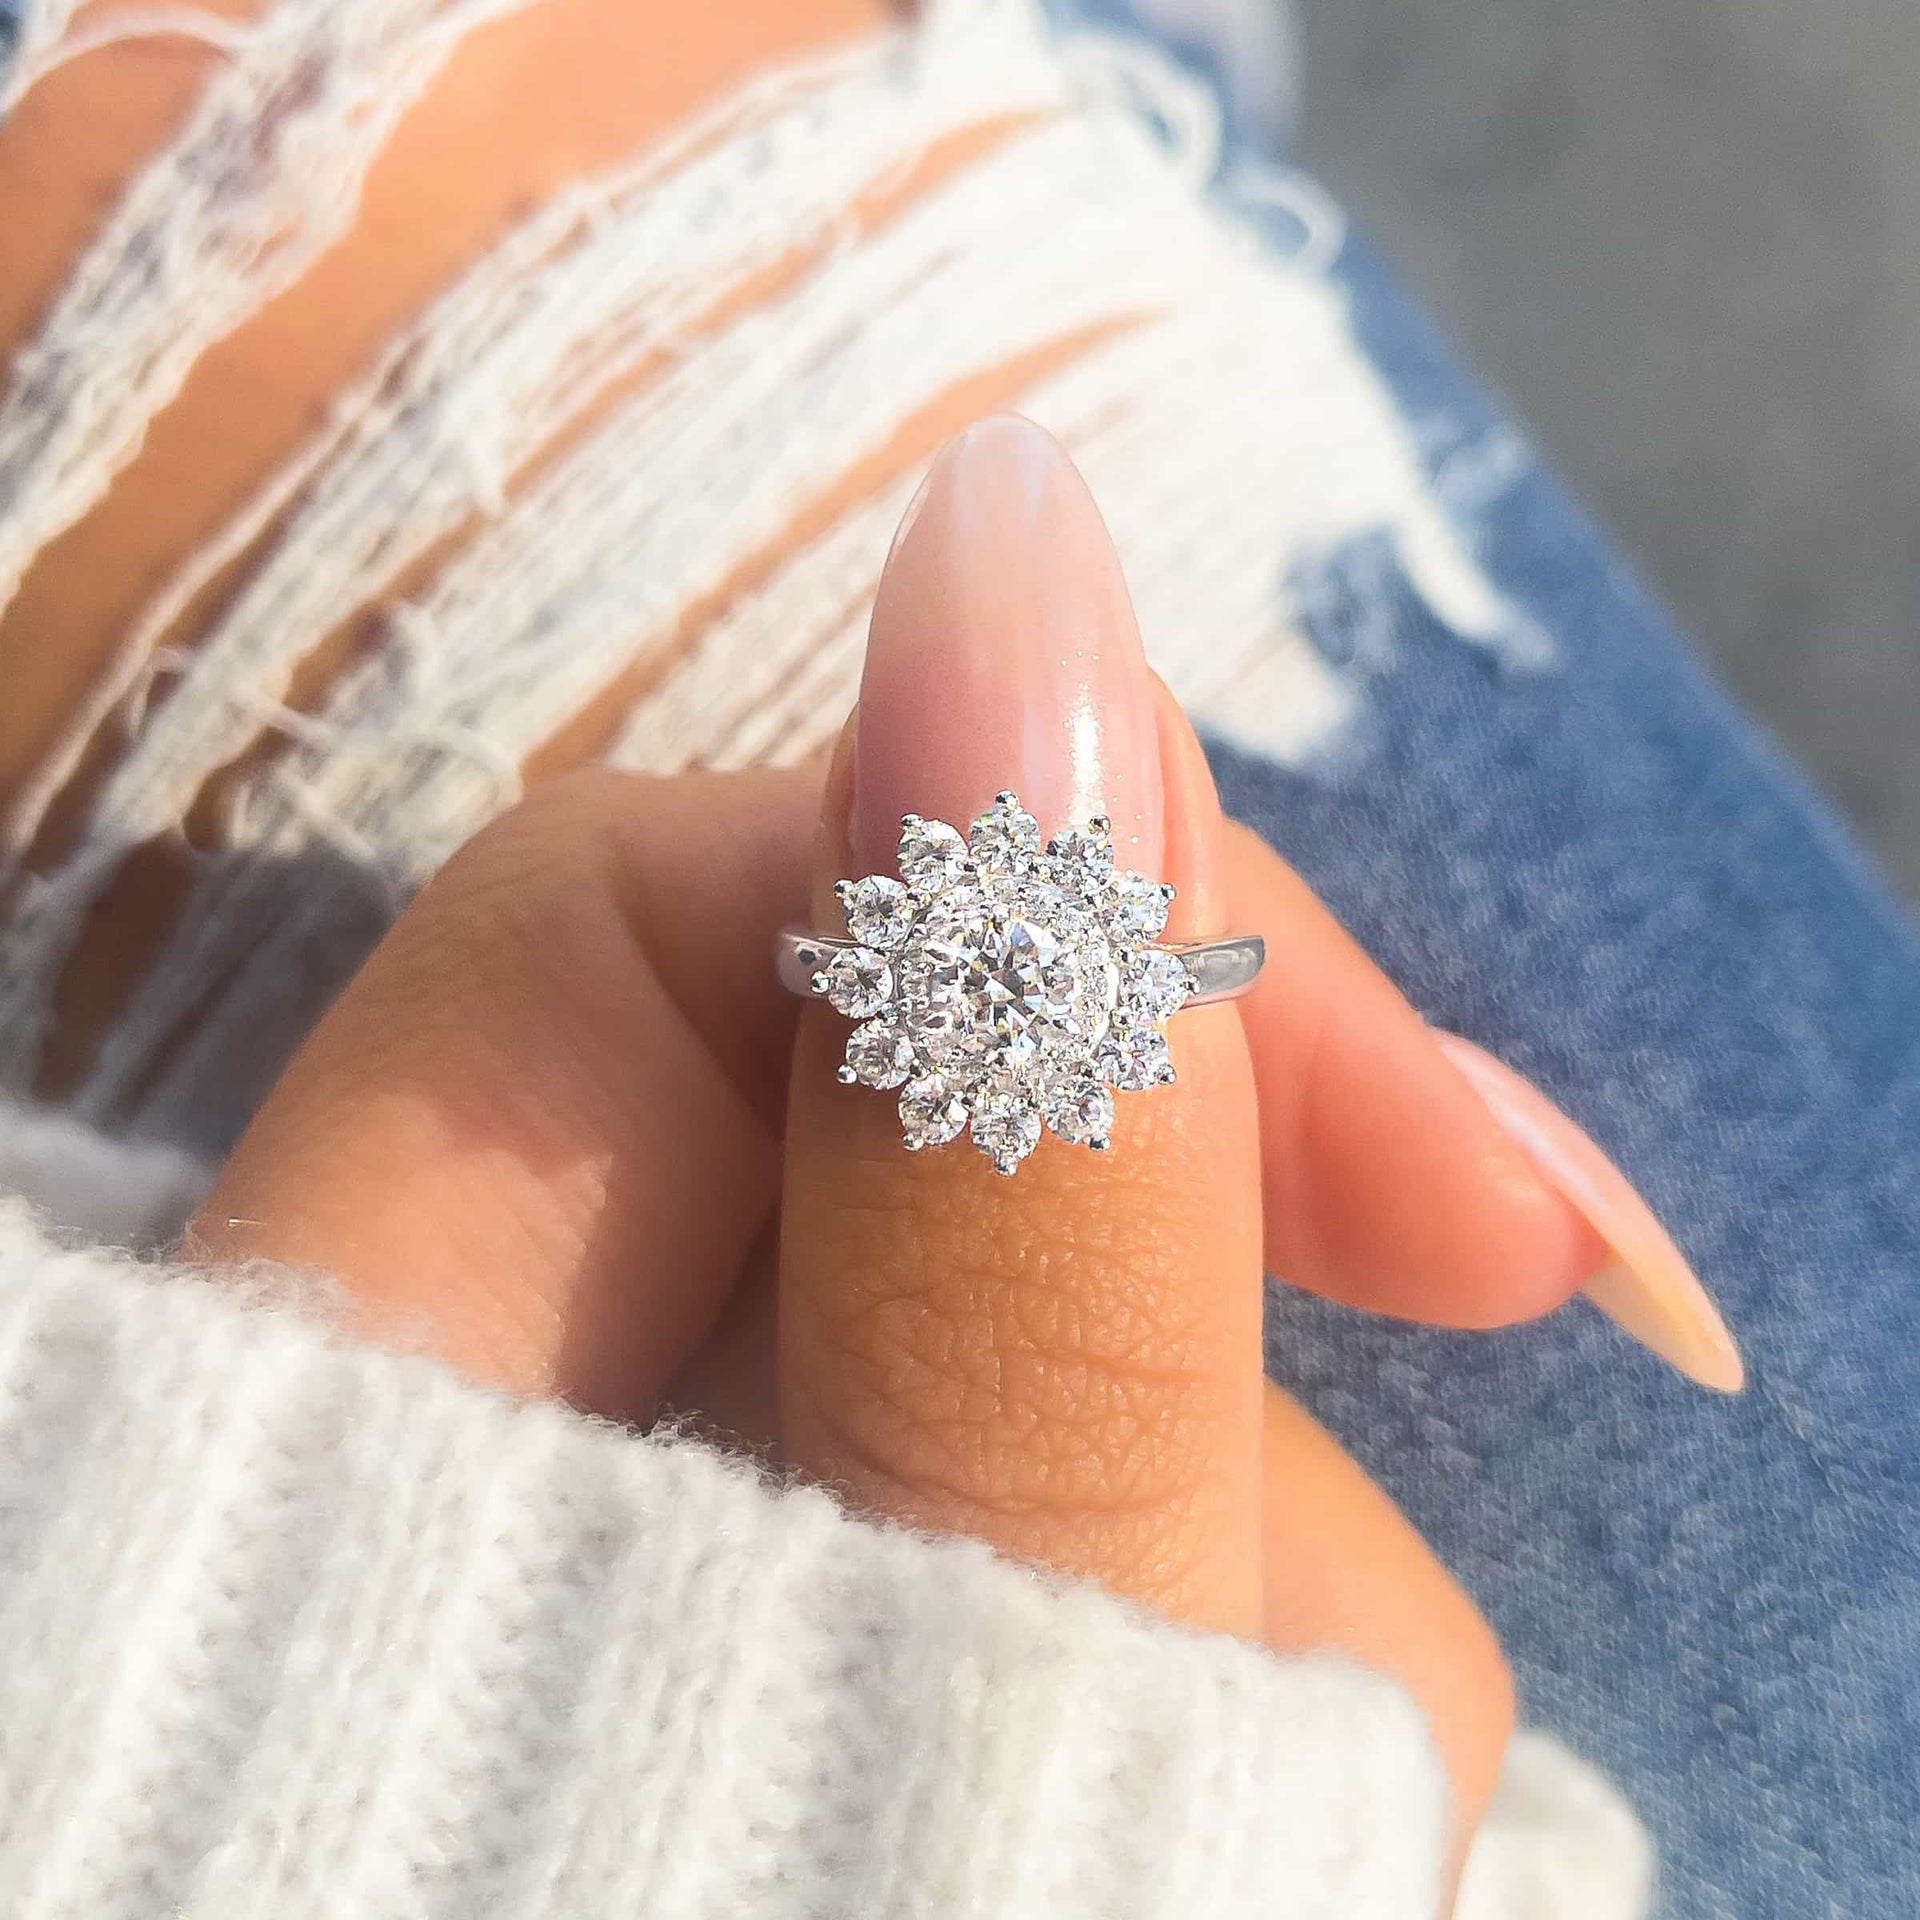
(508, 1061)
(595, 1092)
(531, 101)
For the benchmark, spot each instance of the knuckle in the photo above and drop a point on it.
(563, 831)
(522, 895)
(519, 935)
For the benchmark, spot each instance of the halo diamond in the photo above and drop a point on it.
(1003, 983)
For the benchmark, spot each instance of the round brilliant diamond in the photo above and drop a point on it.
(1005, 986)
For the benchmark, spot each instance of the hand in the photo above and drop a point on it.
(550, 1128)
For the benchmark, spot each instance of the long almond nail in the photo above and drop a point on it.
(1004, 653)
(1647, 1287)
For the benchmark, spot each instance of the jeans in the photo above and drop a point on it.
(1600, 871)
(1594, 867)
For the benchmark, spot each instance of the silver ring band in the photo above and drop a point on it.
(1221, 969)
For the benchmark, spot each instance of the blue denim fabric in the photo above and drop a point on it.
(1600, 871)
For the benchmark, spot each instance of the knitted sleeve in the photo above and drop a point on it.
(290, 1626)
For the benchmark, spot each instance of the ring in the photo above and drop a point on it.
(1004, 986)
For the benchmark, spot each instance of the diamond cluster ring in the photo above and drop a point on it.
(1003, 985)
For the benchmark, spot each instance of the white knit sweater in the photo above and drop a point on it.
(290, 1626)
(293, 1627)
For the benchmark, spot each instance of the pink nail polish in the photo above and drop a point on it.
(1646, 1288)
(1004, 653)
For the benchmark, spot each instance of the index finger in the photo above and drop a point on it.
(539, 1131)
(1065, 1362)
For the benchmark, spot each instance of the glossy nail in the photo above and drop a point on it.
(1647, 1287)
(1004, 653)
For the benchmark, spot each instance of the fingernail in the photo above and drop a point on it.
(1004, 653)
(1647, 1288)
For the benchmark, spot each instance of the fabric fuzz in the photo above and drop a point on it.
(294, 1626)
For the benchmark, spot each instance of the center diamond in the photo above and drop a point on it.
(1004, 983)
(1011, 980)
(1008, 972)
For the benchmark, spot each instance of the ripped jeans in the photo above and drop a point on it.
(1600, 871)
(1562, 842)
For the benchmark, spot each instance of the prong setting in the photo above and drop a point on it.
(1006, 985)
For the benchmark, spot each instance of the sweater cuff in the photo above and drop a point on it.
(305, 1627)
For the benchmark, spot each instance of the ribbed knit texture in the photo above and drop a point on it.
(291, 1626)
